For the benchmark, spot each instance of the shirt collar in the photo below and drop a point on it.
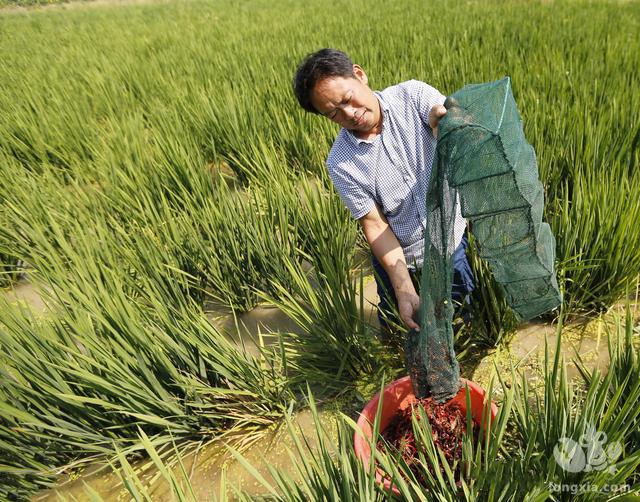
(384, 108)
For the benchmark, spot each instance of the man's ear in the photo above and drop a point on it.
(359, 73)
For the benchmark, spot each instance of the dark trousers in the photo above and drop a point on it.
(462, 286)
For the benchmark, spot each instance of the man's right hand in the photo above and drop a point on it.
(408, 306)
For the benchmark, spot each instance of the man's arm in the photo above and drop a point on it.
(387, 250)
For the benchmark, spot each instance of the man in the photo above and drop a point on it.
(380, 164)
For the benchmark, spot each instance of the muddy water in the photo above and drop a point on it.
(245, 329)
(268, 452)
(581, 342)
(209, 466)
(26, 293)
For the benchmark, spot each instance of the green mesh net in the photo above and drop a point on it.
(484, 158)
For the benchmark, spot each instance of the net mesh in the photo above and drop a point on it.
(485, 165)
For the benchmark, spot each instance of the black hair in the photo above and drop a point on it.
(315, 67)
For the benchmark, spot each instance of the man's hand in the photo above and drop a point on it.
(408, 305)
(435, 114)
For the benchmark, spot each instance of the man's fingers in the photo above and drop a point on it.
(412, 325)
(436, 113)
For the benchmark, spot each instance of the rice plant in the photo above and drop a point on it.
(124, 346)
(337, 344)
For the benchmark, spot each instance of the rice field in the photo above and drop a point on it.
(156, 167)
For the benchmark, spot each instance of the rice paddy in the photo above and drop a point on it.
(156, 168)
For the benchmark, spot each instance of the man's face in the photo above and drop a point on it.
(348, 102)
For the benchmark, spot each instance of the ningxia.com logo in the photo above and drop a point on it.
(589, 453)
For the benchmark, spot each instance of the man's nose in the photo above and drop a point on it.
(349, 111)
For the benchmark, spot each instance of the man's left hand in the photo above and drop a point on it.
(435, 114)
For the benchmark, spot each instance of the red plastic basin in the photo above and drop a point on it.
(399, 395)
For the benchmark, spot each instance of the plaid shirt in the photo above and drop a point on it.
(392, 170)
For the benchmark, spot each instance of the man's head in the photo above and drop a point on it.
(328, 83)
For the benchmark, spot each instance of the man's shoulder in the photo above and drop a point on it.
(412, 96)
(342, 150)
(404, 90)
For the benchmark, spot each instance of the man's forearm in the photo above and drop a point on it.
(386, 248)
(388, 251)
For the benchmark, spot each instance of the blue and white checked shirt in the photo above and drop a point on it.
(393, 169)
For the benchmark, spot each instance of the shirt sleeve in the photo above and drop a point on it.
(424, 97)
(357, 200)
